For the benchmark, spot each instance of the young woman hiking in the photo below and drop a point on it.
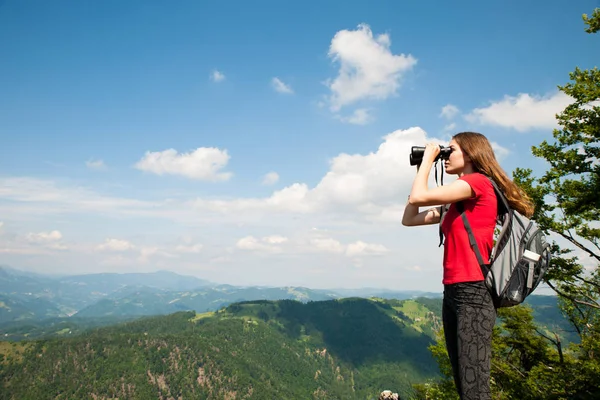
(468, 312)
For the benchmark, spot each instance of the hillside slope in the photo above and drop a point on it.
(348, 349)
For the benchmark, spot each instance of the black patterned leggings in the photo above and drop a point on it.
(469, 315)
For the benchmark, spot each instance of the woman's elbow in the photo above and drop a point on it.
(407, 222)
(417, 201)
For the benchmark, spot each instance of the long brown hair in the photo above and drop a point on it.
(478, 148)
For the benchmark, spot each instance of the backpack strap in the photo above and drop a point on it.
(472, 241)
(443, 209)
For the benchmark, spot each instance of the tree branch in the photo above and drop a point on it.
(596, 285)
(495, 365)
(566, 233)
(544, 336)
(555, 342)
(515, 368)
(569, 237)
(573, 299)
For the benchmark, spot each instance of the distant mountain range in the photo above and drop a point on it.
(164, 335)
(34, 305)
(27, 296)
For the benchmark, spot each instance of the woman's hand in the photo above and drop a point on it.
(431, 152)
(421, 195)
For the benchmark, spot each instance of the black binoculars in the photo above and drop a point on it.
(416, 154)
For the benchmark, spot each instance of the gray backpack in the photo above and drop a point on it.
(519, 259)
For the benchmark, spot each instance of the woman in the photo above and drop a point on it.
(468, 312)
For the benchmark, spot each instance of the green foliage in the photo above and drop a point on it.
(442, 388)
(517, 350)
(171, 357)
(349, 348)
(371, 337)
(566, 196)
(527, 362)
(530, 365)
(32, 329)
(568, 205)
(593, 22)
(344, 349)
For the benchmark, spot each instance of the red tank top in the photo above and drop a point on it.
(460, 262)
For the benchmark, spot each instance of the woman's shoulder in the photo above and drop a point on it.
(479, 182)
(476, 177)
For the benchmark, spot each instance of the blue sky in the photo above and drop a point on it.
(264, 142)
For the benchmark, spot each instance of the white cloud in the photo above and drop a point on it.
(117, 260)
(193, 248)
(147, 252)
(361, 248)
(43, 237)
(280, 86)
(360, 193)
(264, 245)
(368, 69)
(450, 127)
(383, 213)
(374, 178)
(130, 254)
(360, 116)
(97, 165)
(499, 151)
(116, 245)
(22, 250)
(217, 76)
(449, 111)
(368, 183)
(275, 239)
(327, 245)
(42, 243)
(356, 249)
(289, 199)
(371, 186)
(271, 178)
(523, 112)
(39, 198)
(248, 243)
(220, 260)
(57, 246)
(204, 163)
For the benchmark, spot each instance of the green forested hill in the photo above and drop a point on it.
(12, 308)
(36, 306)
(338, 349)
(225, 358)
(358, 331)
(370, 336)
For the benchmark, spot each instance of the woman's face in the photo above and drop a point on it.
(455, 164)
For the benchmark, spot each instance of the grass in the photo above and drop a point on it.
(202, 316)
(416, 312)
(12, 350)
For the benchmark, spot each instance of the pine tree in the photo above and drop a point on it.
(568, 205)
